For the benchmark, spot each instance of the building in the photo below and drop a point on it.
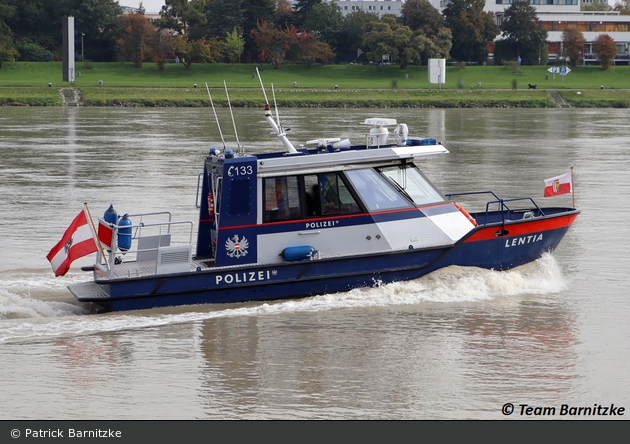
(592, 24)
(151, 16)
(558, 15)
(380, 7)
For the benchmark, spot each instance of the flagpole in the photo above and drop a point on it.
(572, 186)
(98, 241)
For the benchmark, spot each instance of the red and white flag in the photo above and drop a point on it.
(77, 241)
(558, 185)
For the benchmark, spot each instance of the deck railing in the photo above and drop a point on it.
(152, 246)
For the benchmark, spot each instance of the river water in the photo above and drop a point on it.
(457, 344)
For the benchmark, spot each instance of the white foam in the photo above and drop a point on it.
(449, 285)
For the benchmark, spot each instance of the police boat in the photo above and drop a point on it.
(325, 217)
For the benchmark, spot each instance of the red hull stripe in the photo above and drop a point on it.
(240, 227)
(523, 228)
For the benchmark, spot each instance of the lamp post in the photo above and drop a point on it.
(82, 35)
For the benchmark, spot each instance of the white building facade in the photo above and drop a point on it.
(379, 7)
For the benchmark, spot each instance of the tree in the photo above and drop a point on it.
(623, 7)
(471, 27)
(353, 29)
(39, 21)
(573, 43)
(326, 20)
(233, 45)
(523, 30)
(389, 38)
(223, 16)
(606, 50)
(420, 14)
(162, 47)
(282, 13)
(7, 47)
(100, 20)
(183, 17)
(202, 50)
(309, 49)
(596, 6)
(254, 10)
(135, 39)
(302, 10)
(272, 43)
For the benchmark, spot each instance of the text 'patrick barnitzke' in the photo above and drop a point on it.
(72, 433)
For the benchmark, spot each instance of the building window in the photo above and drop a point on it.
(499, 19)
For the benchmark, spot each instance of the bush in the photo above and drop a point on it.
(32, 52)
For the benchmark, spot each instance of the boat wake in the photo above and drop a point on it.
(26, 318)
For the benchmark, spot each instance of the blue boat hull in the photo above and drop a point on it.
(497, 246)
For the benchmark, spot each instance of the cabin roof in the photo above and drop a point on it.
(345, 158)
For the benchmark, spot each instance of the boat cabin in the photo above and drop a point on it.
(334, 199)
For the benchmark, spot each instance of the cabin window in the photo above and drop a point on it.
(411, 180)
(311, 195)
(282, 199)
(375, 191)
(327, 194)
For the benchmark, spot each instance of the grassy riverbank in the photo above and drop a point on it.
(26, 83)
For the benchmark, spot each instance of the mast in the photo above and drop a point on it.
(277, 129)
(215, 116)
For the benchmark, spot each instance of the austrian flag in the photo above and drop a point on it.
(558, 185)
(77, 241)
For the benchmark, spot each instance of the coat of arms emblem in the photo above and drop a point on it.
(236, 247)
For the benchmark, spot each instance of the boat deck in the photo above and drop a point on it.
(132, 269)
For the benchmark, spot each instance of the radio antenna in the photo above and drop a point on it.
(277, 130)
(262, 86)
(215, 116)
(238, 143)
(273, 91)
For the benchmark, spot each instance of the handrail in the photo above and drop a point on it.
(449, 195)
(502, 207)
(197, 202)
(137, 234)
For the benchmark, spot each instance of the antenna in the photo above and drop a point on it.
(262, 86)
(273, 91)
(277, 130)
(240, 147)
(215, 116)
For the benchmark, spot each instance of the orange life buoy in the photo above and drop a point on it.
(466, 213)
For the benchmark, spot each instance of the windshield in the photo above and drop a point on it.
(375, 191)
(410, 179)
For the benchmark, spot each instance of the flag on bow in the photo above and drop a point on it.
(77, 241)
(558, 185)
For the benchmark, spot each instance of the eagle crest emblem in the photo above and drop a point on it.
(236, 247)
(556, 186)
(68, 245)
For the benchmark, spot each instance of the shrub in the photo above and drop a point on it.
(33, 52)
